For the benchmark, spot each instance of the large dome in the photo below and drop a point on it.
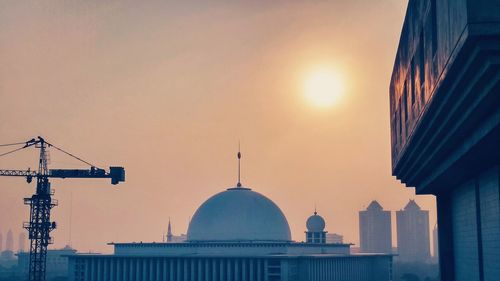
(238, 214)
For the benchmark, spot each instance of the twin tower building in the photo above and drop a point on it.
(412, 232)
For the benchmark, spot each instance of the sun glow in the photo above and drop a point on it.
(323, 87)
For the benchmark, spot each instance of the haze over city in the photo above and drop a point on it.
(168, 90)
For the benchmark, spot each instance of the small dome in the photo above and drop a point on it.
(315, 223)
(238, 214)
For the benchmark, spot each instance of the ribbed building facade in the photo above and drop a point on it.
(445, 124)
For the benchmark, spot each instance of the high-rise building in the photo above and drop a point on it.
(445, 124)
(334, 238)
(9, 241)
(375, 234)
(413, 233)
(435, 243)
(22, 242)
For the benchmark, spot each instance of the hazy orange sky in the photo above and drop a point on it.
(166, 89)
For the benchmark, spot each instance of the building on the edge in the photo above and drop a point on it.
(445, 124)
(56, 264)
(237, 234)
(413, 234)
(375, 233)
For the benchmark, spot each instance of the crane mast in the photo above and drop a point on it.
(39, 225)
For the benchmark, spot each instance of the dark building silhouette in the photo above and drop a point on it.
(22, 242)
(413, 234)
(9, 241)
(445, 123)
(375, 229)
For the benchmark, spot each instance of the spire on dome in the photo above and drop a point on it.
(239, 166)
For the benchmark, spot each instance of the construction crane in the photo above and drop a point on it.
(39, 225)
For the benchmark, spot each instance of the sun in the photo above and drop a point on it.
(323, 87)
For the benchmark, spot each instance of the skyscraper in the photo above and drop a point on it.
(413, 233)
(9, 242)
(375, 229)
(22, 242)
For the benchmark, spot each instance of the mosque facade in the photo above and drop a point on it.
(236, 235)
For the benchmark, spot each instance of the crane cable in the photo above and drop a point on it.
(60, 149)
(69, 154)
(11, 144)
(12, 151)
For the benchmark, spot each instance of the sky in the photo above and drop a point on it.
(167, 89)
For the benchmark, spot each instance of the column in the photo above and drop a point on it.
(165, 276)
(145, 269)
(266, 273)
(112, 268)
(229, 270)
(199, 270)
(152, 272)
(119, 270)
(222, 270)
(445, 233)
(186, 272)
(137, 269)
(105, 265)
(259, 269)
(251, 268)
(171, 269)
(244, 269)
(214, 269)
(237, 270)
(193, 269)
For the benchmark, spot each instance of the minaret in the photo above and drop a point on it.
(1, 242)
(315, 229)
(169, 232)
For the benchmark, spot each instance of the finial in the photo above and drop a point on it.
(239, 166)
(315, 212)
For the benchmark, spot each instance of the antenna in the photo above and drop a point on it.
(70, 217)
(239, 165)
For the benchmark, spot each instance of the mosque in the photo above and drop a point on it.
(236, 235)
